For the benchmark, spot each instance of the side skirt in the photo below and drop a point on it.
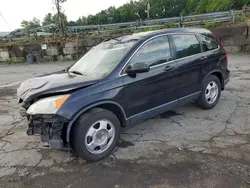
(161, 109)
(188, 98)
(152, 112)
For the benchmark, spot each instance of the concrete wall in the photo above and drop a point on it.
(234, 39)
(51, 51)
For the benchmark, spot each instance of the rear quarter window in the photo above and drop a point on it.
(208, 43)
(186, 45)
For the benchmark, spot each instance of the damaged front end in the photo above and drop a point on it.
(44, 120)
(41, 99)
(52, 129)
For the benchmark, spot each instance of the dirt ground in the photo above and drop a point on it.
(187, 147)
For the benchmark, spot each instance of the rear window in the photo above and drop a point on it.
(186, 45)
(208, 43)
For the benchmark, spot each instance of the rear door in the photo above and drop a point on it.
(213, 52)
(191, 63)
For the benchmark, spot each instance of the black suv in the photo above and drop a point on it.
(120, 82)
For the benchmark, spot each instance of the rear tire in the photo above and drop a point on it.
(95, 134)
(210, 92)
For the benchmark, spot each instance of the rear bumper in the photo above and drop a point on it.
(226, 82)
(226, 76)
(51, 128)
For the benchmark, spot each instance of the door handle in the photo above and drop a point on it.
(168, 68)
(203, 58)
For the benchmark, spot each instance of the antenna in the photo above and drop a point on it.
(5, 21)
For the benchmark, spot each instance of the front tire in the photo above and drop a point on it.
(95, 134)
(210, 92)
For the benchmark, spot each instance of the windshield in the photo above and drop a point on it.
(103, 58)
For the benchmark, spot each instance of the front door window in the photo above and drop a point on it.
(154, 52)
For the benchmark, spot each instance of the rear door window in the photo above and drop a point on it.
(186, 45)
(208, 43)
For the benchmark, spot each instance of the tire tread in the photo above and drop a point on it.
(201, 102)
(82, 125)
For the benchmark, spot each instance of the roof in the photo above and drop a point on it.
(143, 35)
(181, 30)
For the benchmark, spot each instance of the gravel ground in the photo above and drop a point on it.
(187, 147)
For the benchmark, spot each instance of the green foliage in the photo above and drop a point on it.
(217, 5)
(7, 61)
(170, 24)
(238, 4)
(48, 19)
(15, 60)
(241, 18)
(62, 16)
(190, 7)
(135, 10)
(210, 25)
(53, 19)
(34, 23)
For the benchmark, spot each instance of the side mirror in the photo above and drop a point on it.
(137, 68)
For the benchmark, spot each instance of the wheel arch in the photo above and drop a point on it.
(109, 105)
(219, 75)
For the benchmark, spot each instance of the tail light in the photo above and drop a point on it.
(225, 52)
(218, 41)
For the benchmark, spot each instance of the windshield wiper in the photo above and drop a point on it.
(115, 37)
(127, 41)
(76, 72)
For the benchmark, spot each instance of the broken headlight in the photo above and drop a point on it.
(48, 105)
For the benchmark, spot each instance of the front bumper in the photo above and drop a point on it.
(52, 129)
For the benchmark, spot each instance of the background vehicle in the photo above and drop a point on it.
(121, 82)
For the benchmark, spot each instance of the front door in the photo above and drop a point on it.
(148, 94)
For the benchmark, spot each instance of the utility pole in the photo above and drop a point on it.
(148, 9)
(5, 21)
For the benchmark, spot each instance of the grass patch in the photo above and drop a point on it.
(15, 60)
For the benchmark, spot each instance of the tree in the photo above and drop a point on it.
(53, 19)
(238, 4)
(135, 10)
(48, 19)
(127, 12)
(201, 7)
(62, 17)
(91, 19)
(217, 5)
(114, 15)
(81, 21)
(59, 17)
(27, 25)
(190, 7)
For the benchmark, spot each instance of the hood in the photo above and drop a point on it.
(52, 84)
